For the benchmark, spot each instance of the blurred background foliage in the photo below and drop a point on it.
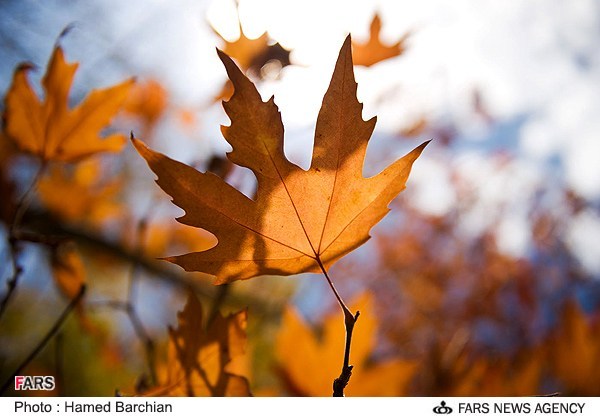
(483, 279)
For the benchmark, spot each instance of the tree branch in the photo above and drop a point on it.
(341, 382)
(48, 230)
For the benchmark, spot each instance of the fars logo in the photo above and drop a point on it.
(34, 383)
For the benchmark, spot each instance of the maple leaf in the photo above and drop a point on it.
(311, 373)
(253, 54)
(244, 49)
(299, 221)
(48, 128)
(207, 362)
(373, 51)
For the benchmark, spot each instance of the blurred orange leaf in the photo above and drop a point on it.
(48, 128)
(68, 270)
(300, 220)
(244, 49)
(416, 128)
(147, 100)
(188, 118)
(574, 351)
(499, 377)
(309, 363)
(225, 93)
(253, 54)
(77, 194)
(373, 51)
(206, 362)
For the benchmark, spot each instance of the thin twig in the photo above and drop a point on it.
(13, 243)
(25, 200)
(147, 341)
(341, 382)
(57, 325)
(11, 283)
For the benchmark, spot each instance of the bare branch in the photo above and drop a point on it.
(341, 382)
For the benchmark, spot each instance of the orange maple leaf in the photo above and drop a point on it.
(253, 54)
(205, 362)
(299, 221)
(245, 49)
(48, 128)
(308, 364)
(373, 51)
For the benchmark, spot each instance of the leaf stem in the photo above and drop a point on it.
(57, 325)
(340, 383)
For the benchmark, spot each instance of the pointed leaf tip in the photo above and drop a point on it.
(140, 146)
(226, 60)
(424, 144)
(234, 73)
(67, 29)
(26, 66)
(347, 46)
(220, 53)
